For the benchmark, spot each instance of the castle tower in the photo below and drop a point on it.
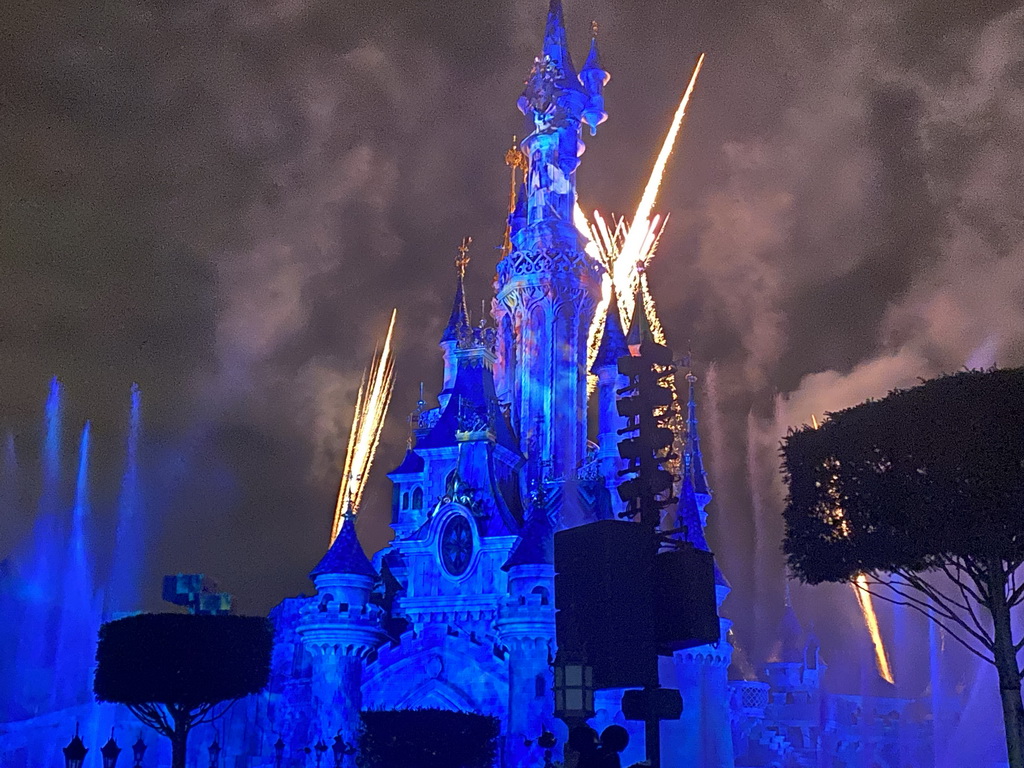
(458, 323)
(340, 628)
(703, 736)
(547, 286)
(526, 628)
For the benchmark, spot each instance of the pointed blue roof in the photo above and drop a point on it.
(536, 545)
(688, 514)
(412, 463)
(556, 44)
(696, 462)
(639, 324)
(459, 317)
(345, 555)
(593, 62)
(472, 394)
(792, 640)
(613, 340)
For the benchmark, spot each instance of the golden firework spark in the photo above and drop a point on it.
(627, 247)
(836, 517)
(867, 609)
(371, 408)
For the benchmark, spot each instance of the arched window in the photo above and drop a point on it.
(545, 598)
(540, 688)
(405, 500)
(417, 498)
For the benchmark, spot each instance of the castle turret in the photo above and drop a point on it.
(594, 78)
(547, 286)
(639, 324)
(458, 322)
(609, 381)
(526, 627)
(694, 461)
(341, 627)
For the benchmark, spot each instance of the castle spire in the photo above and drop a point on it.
(556, 44)
(613, 340)
(459, 317)
(345, 555)
(640, 323)
(695, 462)
(594, 78)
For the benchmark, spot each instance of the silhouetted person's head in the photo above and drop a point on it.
(583, 739)
(614, 738)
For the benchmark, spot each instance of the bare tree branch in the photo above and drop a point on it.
(952, 567)
(153, 716)
(203, 718)
(945, 622)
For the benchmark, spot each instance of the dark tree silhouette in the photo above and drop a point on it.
(923, 493)
(172, 670)
(427, 738)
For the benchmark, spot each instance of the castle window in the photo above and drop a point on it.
(540, 688)
(545, 598)
(417, 498)
(405, 500)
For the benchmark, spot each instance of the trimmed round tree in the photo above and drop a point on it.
(922, 494)
(172, 670)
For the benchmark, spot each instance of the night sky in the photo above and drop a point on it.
(223, 201)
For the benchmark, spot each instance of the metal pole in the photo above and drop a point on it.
(652, 741)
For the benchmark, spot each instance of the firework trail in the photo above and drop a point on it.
(371, 408)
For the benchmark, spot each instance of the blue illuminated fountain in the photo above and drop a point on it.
(123, 592)
(51, 592)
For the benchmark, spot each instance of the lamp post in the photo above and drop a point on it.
(320, 748)
(110, 752)
(214, 750)
(340, 749)
(574, 694)
(574, 691)
(138, 751)
(74, 752)
(278, 752)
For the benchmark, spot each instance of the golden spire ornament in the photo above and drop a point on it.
(462, 260)
(515, 159)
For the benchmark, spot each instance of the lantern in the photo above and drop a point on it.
(110, 752)
(138, 751)
(74, 752)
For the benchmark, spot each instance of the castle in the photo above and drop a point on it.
(457, 612)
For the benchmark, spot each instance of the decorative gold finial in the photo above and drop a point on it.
(515, 159)
(462, 260)
(593, 28)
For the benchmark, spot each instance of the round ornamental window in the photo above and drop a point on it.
(456, 545)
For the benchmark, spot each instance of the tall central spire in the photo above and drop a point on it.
(547, 286)
(556, 44)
